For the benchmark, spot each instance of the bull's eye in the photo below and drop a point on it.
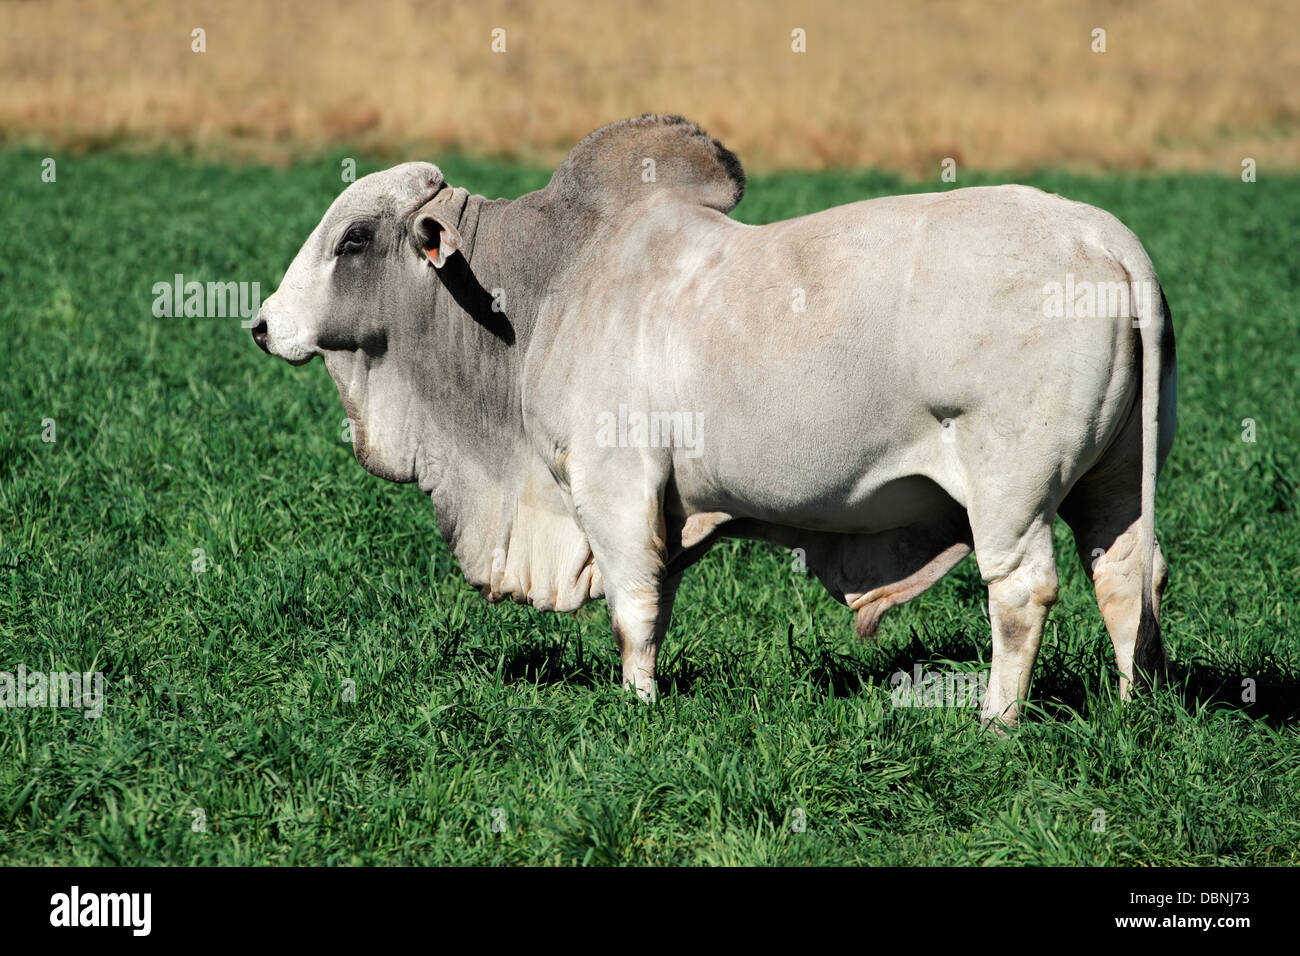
(354, 240)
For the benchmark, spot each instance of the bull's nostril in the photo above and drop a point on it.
(259, 335)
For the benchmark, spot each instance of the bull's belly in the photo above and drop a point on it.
(867, 502)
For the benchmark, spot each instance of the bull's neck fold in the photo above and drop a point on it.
(496, 503)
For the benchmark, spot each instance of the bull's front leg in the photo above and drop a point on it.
(640, 633)
(627, 541)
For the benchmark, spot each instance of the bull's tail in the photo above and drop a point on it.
(1152, 316)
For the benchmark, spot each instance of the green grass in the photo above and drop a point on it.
(225, 688)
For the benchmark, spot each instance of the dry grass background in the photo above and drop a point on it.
(899, 85)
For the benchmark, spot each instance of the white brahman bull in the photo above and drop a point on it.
(597, 380)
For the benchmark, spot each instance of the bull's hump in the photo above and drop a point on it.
(621, 163)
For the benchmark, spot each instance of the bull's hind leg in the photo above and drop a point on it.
(1019, 568)
(1104, 512)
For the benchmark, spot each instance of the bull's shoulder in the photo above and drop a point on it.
(619, 163)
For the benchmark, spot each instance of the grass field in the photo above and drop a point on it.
(225, 689)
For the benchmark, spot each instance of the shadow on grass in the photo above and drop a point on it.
(1065, 683)
(1276, 688)
(557, 661)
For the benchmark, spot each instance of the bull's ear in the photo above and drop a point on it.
(434, 232)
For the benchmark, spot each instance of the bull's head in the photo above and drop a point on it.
(360, 294)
